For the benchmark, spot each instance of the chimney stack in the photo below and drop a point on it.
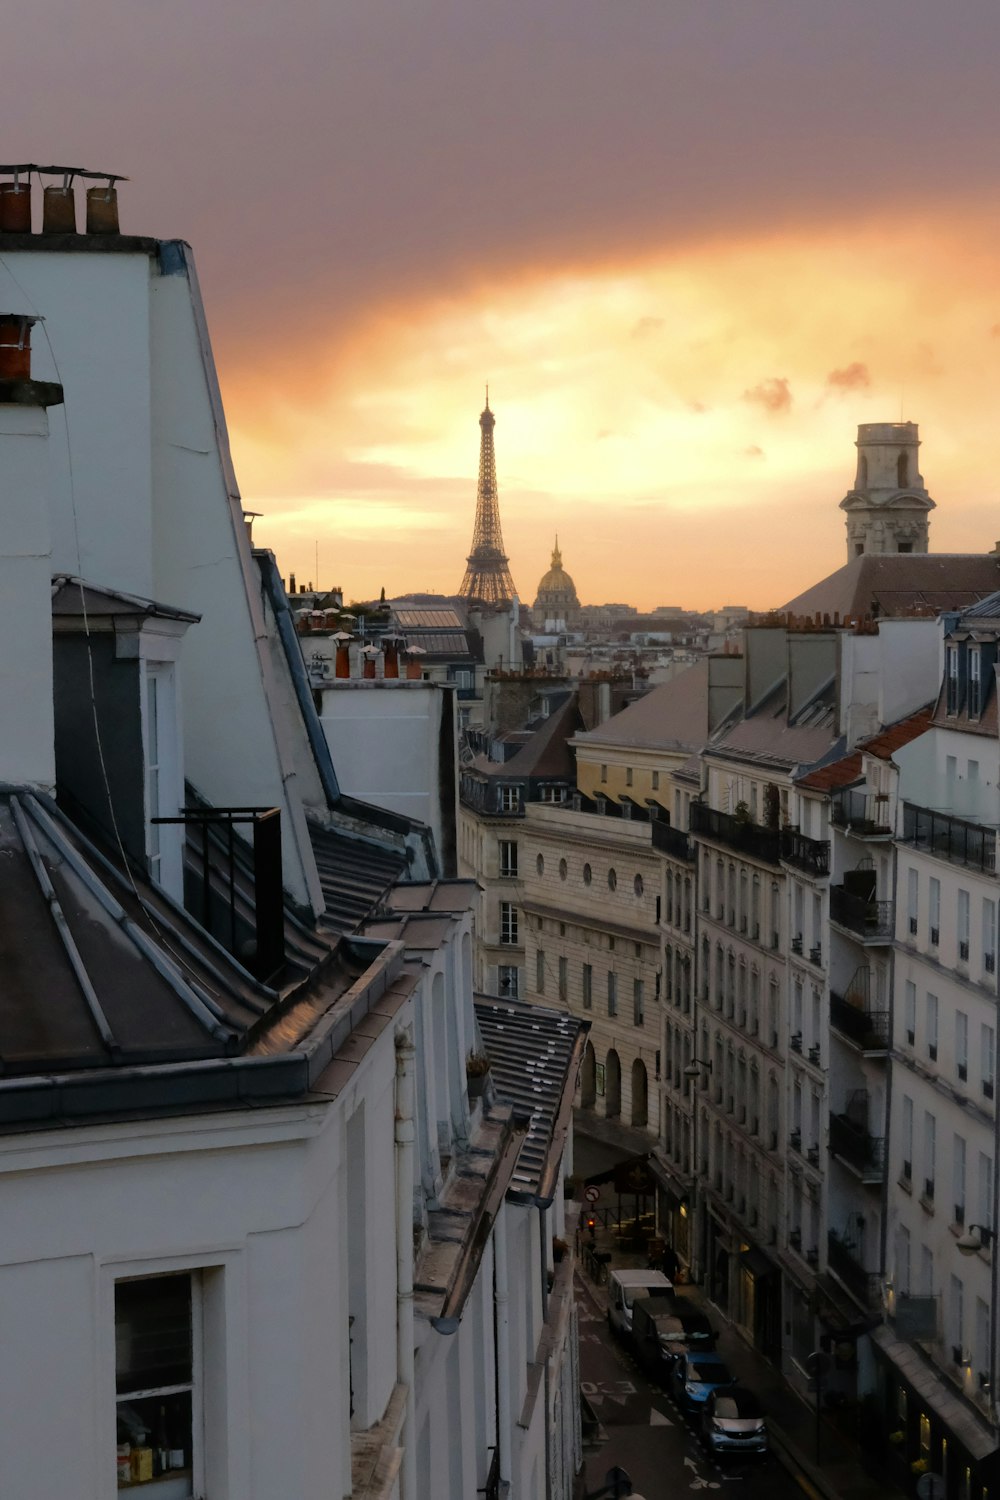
(27, 743)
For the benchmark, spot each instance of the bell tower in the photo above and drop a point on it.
(888, 508)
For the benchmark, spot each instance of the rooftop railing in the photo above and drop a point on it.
(811, 855)
(872, 920)
(950, 838)
(737, 833)
(863, 813)
(671, 840)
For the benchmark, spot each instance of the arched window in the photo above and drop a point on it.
(588, 1077)
(613, 1086)
(640, 1094)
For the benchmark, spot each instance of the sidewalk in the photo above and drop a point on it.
(840, 1474)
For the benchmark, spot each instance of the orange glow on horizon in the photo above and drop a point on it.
(638, 407)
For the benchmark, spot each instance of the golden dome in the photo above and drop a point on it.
(557, 580)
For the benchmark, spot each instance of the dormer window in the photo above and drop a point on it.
(975, 684)
(951, 679)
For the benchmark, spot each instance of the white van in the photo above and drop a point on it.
(624, 1287)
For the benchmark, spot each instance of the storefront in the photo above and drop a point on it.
(674, 1217)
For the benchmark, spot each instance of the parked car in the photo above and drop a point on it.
(695, 1376)
(624, 1288)
(732, 1421)
(662, 1332)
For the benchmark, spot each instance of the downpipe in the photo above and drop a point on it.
(405, 1359)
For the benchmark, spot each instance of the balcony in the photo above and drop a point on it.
(863, 1285)
(671, 840)
(810, 855)
(737, 833)
(953, 839)
(866, 918)
(863, 813)
(863, 1153)
(867, 1029)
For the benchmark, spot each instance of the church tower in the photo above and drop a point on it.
(487, 574)
(888, 509)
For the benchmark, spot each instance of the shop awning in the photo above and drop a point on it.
(974, 1434)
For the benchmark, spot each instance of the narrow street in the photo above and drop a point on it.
(646, 1433)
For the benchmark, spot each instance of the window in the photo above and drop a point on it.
(912, 899)
(156, 1365)
(984, 1203)
(507, 982)
(612, 880)
(628, 775)
(962, 1044)
(951, 679)
(903, 470)
(563, 978)
(509, 799)
(935, 911)
(955, 1317)
(508, 922)
(563, 869)
(982, 1351)
(975, 684)
(539, 971)
(539, 864)
(958, 1173)
(989, 935)
(907, 1138)
(930, 1129)
(932, 1027)
(655, 781)
(910, 1011)
(903, 1261)
(555, 794)
(637, 885)
(988, 1061)
(963, 926)
(638, 1003)
(926, 1271)
(587, 875)
(588, 987)
(612, 993)
(604, 773)
(508, 859)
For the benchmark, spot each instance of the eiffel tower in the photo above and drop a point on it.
(487, 577)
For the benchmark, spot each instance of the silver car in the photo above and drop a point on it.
(732, 1421)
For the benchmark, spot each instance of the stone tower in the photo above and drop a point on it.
(888, 509)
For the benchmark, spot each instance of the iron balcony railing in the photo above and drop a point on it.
(811, 855)
(671, 840)
(250, 923)
(737, 833)
(870, 919)
(953, 839)
(868, 1028)
(853, 1144)
(862, 812)
(491, 1489)
(864, 1285)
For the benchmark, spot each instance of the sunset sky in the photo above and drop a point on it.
(689, 243)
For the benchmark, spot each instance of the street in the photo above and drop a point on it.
(648, 1436)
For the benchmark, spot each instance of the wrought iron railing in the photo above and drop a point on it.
(811, 855)
(861, 812)
(251, 927)
(671, 840)
(864, 1285)
(853, 1144)
(953, 839)
(869, 918)
(868, 1028)
(738, 833)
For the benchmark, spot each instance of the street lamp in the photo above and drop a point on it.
(691, 1071)
(977, 1237)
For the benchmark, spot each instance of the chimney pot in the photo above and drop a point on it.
(102, 210)
(15, 207)
(15, 346)
(59, 210)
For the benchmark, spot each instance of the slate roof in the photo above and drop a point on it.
(74, 596)
(673, 716)
(900, 583)
(972, 1431)
(535, 1054)
(354, 876)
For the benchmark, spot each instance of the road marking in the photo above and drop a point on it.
(657, 1419)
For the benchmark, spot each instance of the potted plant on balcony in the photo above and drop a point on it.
(477, 1073)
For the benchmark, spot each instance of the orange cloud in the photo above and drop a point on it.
(773, 395)
(853, 377)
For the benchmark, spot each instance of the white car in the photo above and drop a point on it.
(623, 1289)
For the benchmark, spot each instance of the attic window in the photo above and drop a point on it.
(951, 685)
(975, 684)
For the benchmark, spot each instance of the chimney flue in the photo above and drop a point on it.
(15, 207)
(102, 210)
(59, 210)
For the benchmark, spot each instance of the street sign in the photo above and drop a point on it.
(592, 1194)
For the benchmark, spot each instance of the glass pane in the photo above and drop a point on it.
(154, 1443)
(153, 1333)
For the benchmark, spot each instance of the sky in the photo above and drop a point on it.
(690, 244)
